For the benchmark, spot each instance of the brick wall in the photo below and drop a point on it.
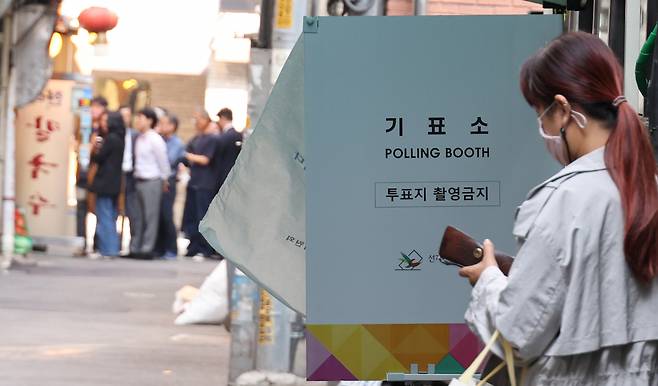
(180, 94)
(464, 7)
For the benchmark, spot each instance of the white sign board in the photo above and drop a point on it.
(411, 125)
(44, 131)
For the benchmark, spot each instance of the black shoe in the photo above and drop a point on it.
(216, 256)
(131, 255)
(147, 256)
(138, 256)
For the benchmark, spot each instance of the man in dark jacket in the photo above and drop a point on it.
(166, 245)
(229, 144)
(108, 155)
(199, 156)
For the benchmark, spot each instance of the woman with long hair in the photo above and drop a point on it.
(108, 155)
(580, 305)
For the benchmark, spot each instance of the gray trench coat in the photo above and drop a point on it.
(571, 307)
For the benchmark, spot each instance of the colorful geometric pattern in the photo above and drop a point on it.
(368, 352)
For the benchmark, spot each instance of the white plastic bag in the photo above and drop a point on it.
(211, 304)
(258, 378)
(183, 297)
(257, 220)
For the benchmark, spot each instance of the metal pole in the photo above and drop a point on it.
(314, 6)
(572, 21)
(644, 21)
(7, 122)
(244, 329)
(632, 43)
(274, 335)
(644, 33)
(420, 7)
(602, 20)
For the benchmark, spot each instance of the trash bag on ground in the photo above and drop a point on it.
(184, 296)
(260, 378)
(210, 305)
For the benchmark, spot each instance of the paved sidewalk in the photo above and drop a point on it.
(70, 321)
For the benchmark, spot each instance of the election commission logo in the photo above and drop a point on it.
(409, 261)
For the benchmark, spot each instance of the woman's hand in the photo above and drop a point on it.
(96, 148)
(473, 272)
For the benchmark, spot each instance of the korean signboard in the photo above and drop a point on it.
(43, 146)
(411, 125)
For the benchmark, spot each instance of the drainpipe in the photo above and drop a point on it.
(572, 19)
(7, 129)
(633, 37)
(420, 7)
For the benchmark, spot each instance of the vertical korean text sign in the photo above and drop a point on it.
(43, 147)
(411, 124)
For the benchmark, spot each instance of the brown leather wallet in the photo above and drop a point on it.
(458, 248)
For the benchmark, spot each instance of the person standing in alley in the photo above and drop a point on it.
(199, 157)
(229, 144)
(86, 173)
(128, 183)
(107, 155)
(151, 174)
(579, 304)
(166, 245)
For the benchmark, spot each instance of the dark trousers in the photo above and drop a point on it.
(196, 204)
(81, 221)
(131, 208)
(147, 218)
(106, 227)
(167, 234)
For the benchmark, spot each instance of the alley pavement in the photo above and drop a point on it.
(72, 321)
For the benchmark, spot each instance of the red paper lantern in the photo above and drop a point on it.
(98, 19)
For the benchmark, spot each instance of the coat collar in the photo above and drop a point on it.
(592, 161)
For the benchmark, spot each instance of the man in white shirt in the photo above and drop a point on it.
(126, 114)
(151, 173)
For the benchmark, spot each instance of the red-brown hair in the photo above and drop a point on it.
(583, 69)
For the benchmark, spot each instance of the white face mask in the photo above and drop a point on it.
(557, 144)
